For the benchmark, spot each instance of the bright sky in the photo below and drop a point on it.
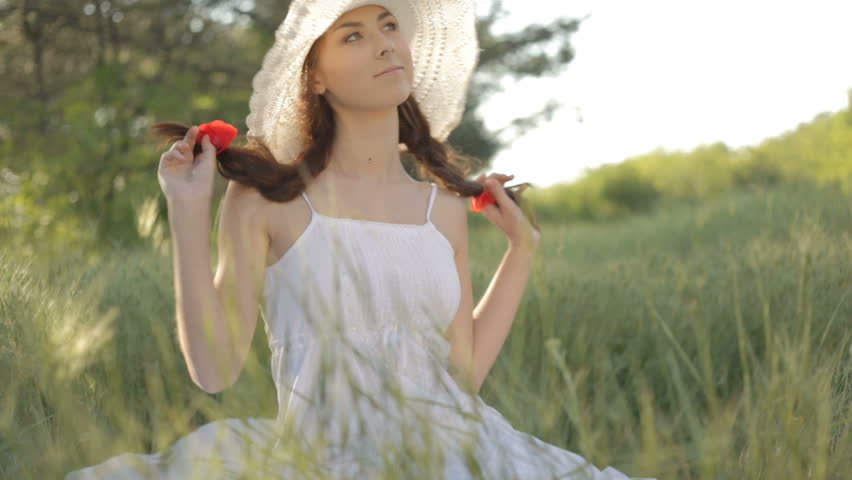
(673, 74)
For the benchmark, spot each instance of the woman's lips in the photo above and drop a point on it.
(391, 72)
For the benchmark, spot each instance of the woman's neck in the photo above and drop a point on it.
(366, 149)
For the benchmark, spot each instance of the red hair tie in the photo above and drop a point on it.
(221, 133)
(482, 200)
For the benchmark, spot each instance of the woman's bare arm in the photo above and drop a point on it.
(216, 317)
(495, 312)
(477, 334)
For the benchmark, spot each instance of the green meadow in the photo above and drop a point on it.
(698, 341)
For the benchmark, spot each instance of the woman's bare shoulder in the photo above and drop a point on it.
(450, 198)
(449, 215)
(282, 222)
(245, 198)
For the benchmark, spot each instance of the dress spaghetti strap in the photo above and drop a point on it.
(305, 196)
(431, 201)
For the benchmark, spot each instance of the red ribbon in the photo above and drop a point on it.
(221, 134)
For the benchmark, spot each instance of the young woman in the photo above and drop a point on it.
(377, 350)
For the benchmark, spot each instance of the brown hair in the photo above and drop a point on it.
(253, 164)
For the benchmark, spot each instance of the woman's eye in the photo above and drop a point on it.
(356, 33)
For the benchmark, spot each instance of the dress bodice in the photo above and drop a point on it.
(369, 283)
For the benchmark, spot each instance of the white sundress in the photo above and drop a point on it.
(354, 315)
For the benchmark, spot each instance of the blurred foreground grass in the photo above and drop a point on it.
(700, 342)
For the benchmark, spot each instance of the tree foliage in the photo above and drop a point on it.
(819, 151)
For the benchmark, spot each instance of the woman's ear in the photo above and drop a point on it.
(317, 85)
(319, 88)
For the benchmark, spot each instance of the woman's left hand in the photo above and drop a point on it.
(507, 215)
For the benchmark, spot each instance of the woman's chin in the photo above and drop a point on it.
(395, 92)
(391, 99)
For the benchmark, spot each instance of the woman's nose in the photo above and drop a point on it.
(387, 46)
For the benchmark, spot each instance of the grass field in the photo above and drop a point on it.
(698, 342)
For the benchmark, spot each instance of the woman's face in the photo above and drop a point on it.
(359, 45)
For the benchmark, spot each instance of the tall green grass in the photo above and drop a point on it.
(699, 342)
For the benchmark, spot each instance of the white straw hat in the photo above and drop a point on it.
(444, 51)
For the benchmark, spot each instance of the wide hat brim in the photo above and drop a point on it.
(444, 53)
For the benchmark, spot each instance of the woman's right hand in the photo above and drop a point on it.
(185, 177)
